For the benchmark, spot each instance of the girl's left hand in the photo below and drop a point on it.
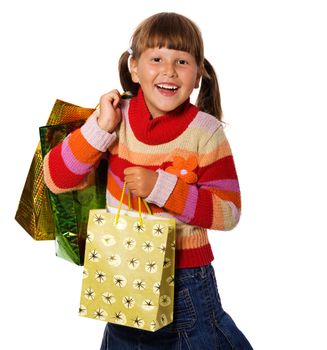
(140, 181)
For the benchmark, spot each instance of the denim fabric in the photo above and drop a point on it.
(199, 320)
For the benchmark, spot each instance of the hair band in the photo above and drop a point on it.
(130, 51)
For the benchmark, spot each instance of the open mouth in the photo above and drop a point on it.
(167, 87)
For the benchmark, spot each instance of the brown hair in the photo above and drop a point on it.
(177, 32)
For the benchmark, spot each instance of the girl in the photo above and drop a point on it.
(176, 156)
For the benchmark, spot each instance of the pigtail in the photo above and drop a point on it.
(125, 74)
(209, 96)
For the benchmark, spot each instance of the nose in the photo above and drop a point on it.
(169, 70)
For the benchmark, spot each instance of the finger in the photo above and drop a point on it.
(130, 170)
(113, 97)
(130, 179)
(132, 188)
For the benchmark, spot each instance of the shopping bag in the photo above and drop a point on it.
(34, 212)
(70, 210)
(129, 266)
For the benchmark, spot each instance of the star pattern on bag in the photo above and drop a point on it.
(139, 284)
(138, 227)
(100, 314)
(128, 302)
(121, 268)
(100, 276)
(120, 281)
(108, 298)
(138, 322)
(147, 246)
(119, 317)
(99, 219)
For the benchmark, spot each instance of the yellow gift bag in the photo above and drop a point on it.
(129, 266)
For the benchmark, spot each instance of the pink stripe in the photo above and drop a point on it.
(190, 205)
(73, 164)
(226, 185)
(206, 121)
(235, 212)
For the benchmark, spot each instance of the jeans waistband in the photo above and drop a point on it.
(185, 273)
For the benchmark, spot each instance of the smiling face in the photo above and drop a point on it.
(167, 78)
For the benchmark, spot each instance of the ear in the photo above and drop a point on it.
(197, 81)
(133, 68)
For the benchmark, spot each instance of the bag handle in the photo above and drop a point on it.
(129, 205)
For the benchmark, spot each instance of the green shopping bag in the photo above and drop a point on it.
(129, 266)
(70, 210)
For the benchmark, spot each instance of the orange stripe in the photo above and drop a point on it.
(178, 198)
(231, 196)
(218, 219)
(81, 148)
(221, 151)
(195, 240)
(142, 158)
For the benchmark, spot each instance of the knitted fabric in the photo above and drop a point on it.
(197, 182)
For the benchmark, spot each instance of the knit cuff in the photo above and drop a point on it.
(163, 188)
(95, 136)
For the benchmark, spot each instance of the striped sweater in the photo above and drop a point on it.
(197, 181)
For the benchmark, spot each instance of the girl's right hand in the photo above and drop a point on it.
(110, 112)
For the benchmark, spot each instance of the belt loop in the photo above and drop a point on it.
(203, 271)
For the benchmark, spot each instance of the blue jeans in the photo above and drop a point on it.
(200, 323)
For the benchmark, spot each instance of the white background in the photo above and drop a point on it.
(270, 57)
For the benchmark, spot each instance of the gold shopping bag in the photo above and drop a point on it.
(34, 212)
(129, 267)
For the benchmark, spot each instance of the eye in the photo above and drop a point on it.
(156, 59)
(182, 62)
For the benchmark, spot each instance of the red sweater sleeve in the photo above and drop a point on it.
(67, 166)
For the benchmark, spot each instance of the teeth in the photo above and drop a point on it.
(167, 87)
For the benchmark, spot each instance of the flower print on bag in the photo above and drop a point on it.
(147, 246)
(99, 219)
(120, 318)
(166, 263)
(171, 280)
(114, 260)
(121, 224)
(184, 169)
(156, 288)
(85, 273)
(162, 248)
(100, 314)
(100, 276)
(133, 263)
(163, 319)
(151, 266)
(138, 322)
(94, 255)
(89, 294)
(108, 240)
(128, 302)
(108, 298)
(139, 284)
(129, 243)
(82, 310)
(89, 237)
(154, 325)
(158, 230)
(148, 305)
(164, 300)
(120, 281)
(138, 227)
